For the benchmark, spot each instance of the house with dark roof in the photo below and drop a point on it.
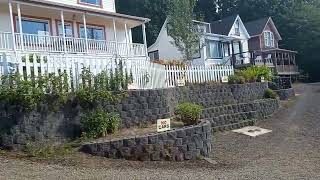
(264, 47)
(223, 42)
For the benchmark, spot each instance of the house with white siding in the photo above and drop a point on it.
(223, 42)
(76, 27)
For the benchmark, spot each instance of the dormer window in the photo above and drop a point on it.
(237, 28)
(91, 2)
(268, 39)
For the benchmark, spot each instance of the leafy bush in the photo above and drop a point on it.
(254, 73)
(188, 113)
(269, 93)
(99, 123)
(235, 79)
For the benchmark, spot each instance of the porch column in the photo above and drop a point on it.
(20, 27)
(127, 39)
(12, 26)
(145, 39)
(85, 31)
(115, 36)
(63, 33)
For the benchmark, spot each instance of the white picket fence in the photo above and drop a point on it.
(196, 74)
(146, 75)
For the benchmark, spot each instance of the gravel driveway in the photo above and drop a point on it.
(291, 151)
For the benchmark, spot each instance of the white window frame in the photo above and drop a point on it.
(91, 4)
(268, 38)
(65, 24)
(34, 20)
(94, 27)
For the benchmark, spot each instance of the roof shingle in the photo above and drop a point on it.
(223, 26)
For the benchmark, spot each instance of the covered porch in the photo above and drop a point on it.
(282, 60)
(54, 28)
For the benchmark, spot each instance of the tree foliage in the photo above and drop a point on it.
(298, 21)
(181, 27)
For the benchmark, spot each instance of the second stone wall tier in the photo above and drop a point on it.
(176, 145)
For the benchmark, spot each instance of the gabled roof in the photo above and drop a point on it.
(257, 27)
(223, 26)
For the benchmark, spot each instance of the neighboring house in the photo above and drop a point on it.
(223, 42)
(77, 27)
(264, 45)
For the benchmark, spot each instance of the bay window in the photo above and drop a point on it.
(268, 39)
(93, 32)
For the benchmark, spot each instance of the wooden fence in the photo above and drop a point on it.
(146, 75)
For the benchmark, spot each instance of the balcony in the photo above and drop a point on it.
(57, 44)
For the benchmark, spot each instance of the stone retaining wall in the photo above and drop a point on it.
(285, 94)
(176, 145)
(141, 107)
(186, 143)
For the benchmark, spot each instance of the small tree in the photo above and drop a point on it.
(181, 27)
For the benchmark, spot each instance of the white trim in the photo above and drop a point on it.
(63, 32)
(20, 27)
(242, 24)
(115, 34)
(274, 27)
(77, 9)
(272, 40)
(85, 31)
(12, 26)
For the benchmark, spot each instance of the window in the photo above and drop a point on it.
(34, 26)
(226, 50)
(68, 29)
(237, 28)
(93, 32)
(237, 48)
(268, 39)
(154, 56)
(214, 49)
(91, 2)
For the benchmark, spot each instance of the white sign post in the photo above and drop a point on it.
(163, 125)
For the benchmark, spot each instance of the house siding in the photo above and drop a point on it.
(254, 43)
(53, 16)
(108, 5)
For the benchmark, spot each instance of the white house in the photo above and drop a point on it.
(221, 41)
(77, 27)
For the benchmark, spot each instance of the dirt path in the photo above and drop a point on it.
(291, 151)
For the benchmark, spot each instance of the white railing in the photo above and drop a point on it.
(6, 41)
(46, 43)
(146, 74)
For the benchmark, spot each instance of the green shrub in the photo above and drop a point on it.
(188, 113)
(47, 150)
(254, 73)
(99, 123)
(269, 93)
(236, 79)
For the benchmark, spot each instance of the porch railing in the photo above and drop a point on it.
(46, 43)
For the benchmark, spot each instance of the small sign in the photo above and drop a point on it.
(225, 79)
(262, 79)
(181, 82)
(163, 125)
